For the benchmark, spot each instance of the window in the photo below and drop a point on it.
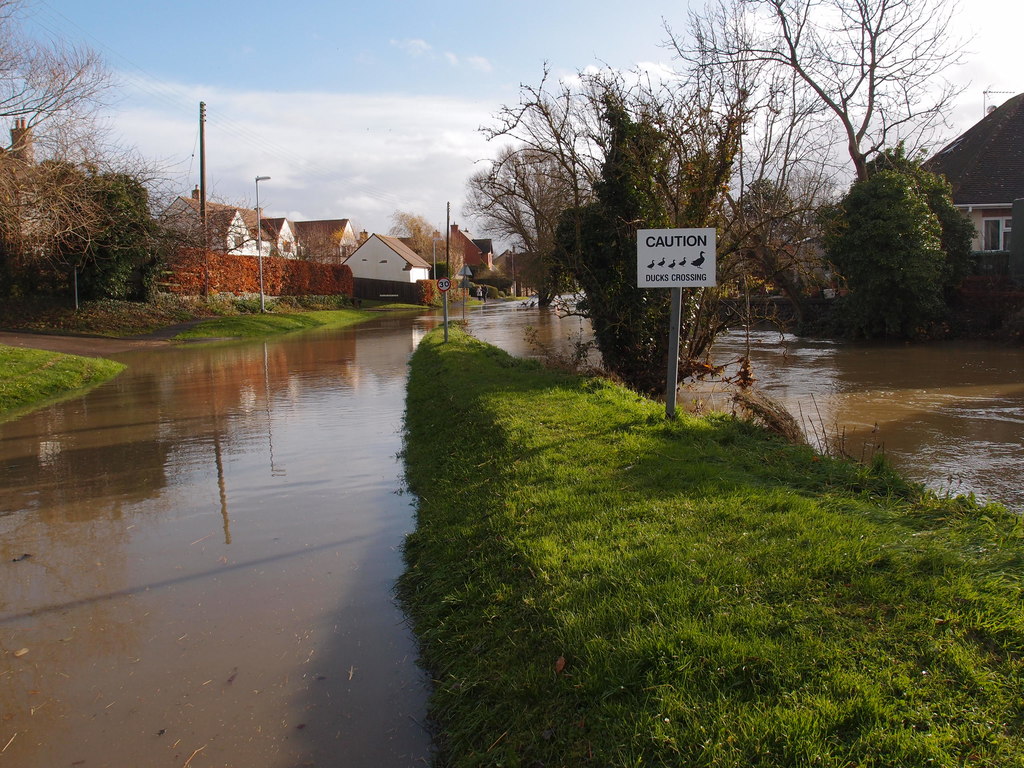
(996, 234)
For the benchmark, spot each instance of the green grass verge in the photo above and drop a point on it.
(249, 326)
(31, 377)
(594, 585)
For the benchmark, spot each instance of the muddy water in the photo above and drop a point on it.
(950, 415)
(197, 562)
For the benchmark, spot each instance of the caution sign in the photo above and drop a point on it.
(675, 258)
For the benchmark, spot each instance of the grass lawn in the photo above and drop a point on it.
(247, 326)
(30, 377)
(594, 585)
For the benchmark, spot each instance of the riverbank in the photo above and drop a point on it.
(31, 377)
(591, 584)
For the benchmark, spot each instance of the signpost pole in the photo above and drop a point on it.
(675, 258)
(443, 285)
(672, 380)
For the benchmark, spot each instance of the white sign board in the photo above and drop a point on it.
(675, 258)
(444, 284)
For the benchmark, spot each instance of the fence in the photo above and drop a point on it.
(386, 290)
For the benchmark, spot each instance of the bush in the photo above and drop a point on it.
(194, 271)
(315, 302)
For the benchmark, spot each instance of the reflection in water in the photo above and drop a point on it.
(184, 594)
(950, 415)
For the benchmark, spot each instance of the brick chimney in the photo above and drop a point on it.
(21, 142)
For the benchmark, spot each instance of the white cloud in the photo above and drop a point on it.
(413, 47)
(328, 155)
(452, 58)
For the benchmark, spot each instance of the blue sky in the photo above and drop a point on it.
(356, 110)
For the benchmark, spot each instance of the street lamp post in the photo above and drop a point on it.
(259, 239)
(435, 239)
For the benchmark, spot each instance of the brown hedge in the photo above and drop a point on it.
(195, 271)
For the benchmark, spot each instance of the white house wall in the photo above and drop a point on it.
(376, 261)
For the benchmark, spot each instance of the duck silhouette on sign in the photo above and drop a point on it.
(672, 265)
(699, 261)
(661, 263)
(651, 265)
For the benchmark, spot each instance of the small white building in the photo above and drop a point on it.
(387, 258)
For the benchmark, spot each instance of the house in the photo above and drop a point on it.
(477, 254)
(231, 229)
(985, 166)
(387, 258)
(227, 229)
(329, 241)
(280, 234)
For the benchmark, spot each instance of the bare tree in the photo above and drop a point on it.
(875, 66)
(416, 231)
(51, 82)
(519, 198)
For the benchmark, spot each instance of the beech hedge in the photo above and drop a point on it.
(195, 271)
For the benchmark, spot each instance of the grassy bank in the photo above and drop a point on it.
(217, 317)
(257, 325)
(592, 585)
(31, 377)
(109, 318)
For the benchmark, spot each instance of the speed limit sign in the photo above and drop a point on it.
(444, 284)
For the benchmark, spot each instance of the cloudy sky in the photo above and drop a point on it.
(358, 109)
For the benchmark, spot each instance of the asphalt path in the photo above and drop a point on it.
(92, 346)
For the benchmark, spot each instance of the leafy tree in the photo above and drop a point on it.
(643, 184)
(957, 229)
(598, 243)
(121, 252)
(887, 243)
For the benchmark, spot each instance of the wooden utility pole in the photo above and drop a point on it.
(202, 198)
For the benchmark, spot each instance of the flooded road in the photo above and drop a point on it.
(197, 562)
(950, 415)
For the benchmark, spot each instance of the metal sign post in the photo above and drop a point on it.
(676, 259)
(466, 273)
(443, 285)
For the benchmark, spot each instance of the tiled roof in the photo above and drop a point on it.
(272, 227)
(321, 229)
(985, 164)
(403, 250)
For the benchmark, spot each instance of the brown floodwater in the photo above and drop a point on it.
(950, 415)
(197, 562)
